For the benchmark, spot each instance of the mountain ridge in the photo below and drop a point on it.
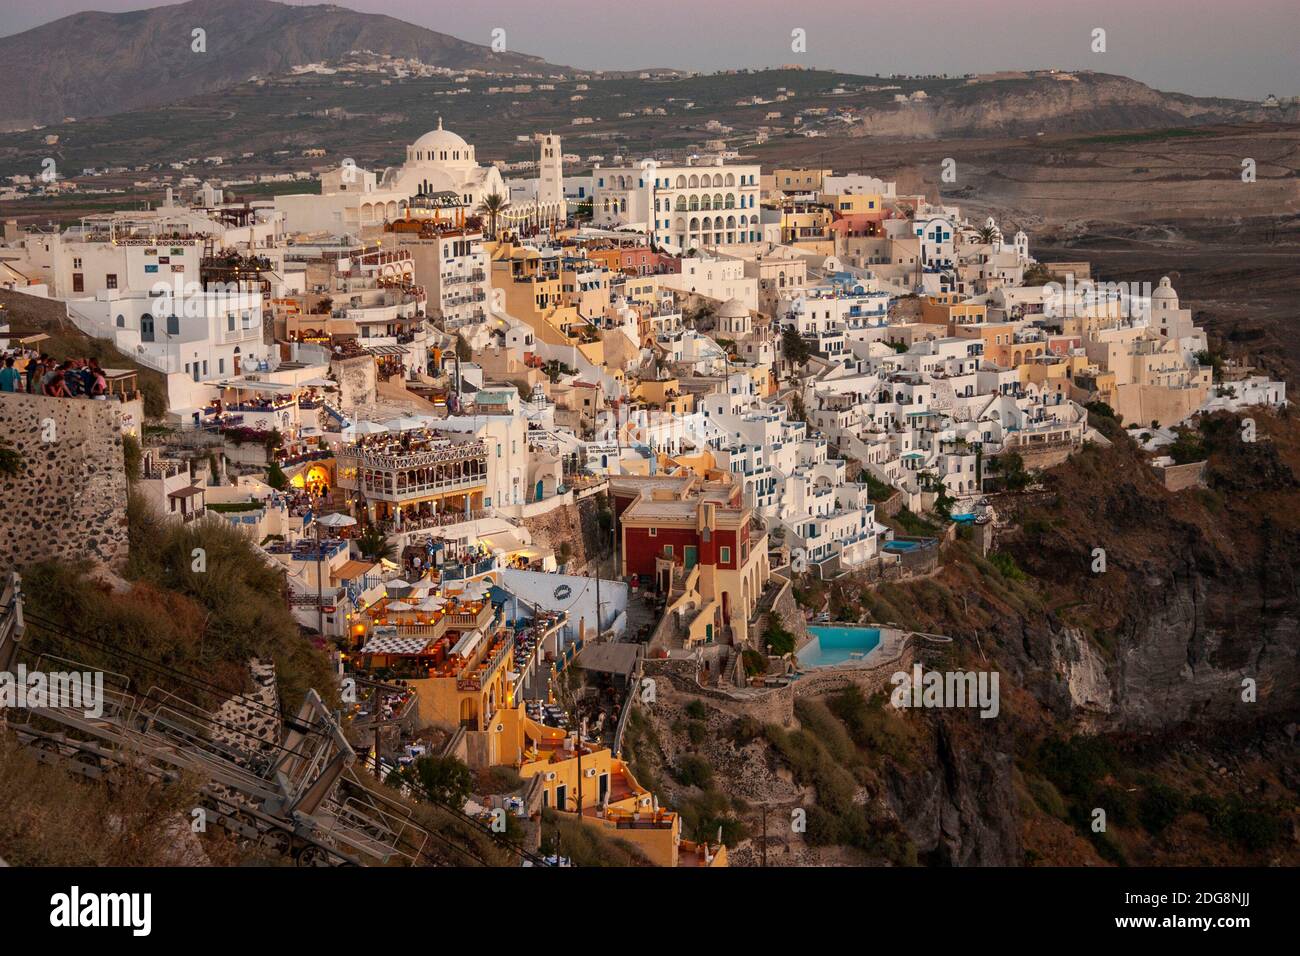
(95, 64)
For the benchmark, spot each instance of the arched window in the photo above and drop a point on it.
(717, 200)
(146, 328)
(681, 182)
(121, 321)
(681, 202)
(694, 181)
(695, 203)
(705, 202)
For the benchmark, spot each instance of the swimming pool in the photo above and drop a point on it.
(835, 645)
(899, 546)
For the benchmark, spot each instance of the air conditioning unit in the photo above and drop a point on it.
(591, 771)
(551, 775)
(501, 728)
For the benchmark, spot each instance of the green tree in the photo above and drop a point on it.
(444, 780)
(275, 476)
(132, 454)
(374, 545)
(492, 206)
(793, 347)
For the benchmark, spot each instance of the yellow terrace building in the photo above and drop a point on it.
(591, 781)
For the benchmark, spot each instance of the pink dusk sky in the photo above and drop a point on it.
(1242, 48)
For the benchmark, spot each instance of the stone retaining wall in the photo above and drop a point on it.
(69, 499)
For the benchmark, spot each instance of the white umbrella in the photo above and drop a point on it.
(336, 520)
(398, 584)
(319, 383)
(433, 604)
(364, 428)
(400, 606)
(403, 423)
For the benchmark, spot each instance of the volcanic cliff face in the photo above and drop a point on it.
(1018, 107)
(1159, 690)
(1198, 599)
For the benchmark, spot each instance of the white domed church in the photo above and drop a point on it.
(442, 162)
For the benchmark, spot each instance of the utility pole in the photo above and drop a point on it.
(320, 607)
(379, 700)
(581, 728)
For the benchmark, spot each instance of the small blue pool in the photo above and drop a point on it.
(835, 645)
(897, 546)
(964, 519)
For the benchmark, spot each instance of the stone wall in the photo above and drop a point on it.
(1042, 457)
(675, 683)
(1179, 477)
(787, 611)
(69, 499)
(576, 524)
(357, 382)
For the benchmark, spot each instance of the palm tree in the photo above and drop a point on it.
(987, 234)
(374, 545)
(492, 206)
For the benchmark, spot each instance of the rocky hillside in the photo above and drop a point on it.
(95, 63)
(1036, 104)
(1162, 691)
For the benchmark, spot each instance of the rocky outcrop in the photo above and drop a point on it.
(960, 810)
(1092, 101)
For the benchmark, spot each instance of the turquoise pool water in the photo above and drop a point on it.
(902, 545)
(835, 645)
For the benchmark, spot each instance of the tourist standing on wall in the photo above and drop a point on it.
(9, 377)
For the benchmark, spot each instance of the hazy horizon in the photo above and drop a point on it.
(1199, 47)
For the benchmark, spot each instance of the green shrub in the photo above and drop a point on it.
(693, 770)
(1159, 807)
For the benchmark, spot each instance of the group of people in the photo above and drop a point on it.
(38, 374)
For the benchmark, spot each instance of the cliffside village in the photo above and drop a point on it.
(720, 376)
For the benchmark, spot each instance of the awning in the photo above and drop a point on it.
(465, 646)
(186, 492)
(401, 646)
(353, 569)
(244, 385)
(387, 350)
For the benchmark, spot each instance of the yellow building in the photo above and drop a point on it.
(950, 309)
(807, 225)
(799, 180)
(665, 394)
(581, 779)
(853, 204)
